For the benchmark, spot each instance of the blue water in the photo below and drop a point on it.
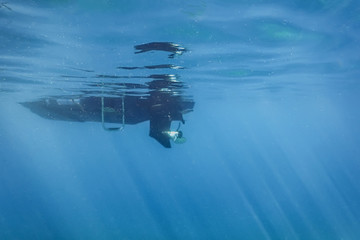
(272, 148)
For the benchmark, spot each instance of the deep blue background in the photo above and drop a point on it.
(273, 142)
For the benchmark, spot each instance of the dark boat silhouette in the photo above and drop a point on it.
(161, 105)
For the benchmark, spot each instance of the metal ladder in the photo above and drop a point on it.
(104, 109)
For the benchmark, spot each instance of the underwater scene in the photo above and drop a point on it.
(180, 119)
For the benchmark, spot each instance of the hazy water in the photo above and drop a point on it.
(272, 147)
